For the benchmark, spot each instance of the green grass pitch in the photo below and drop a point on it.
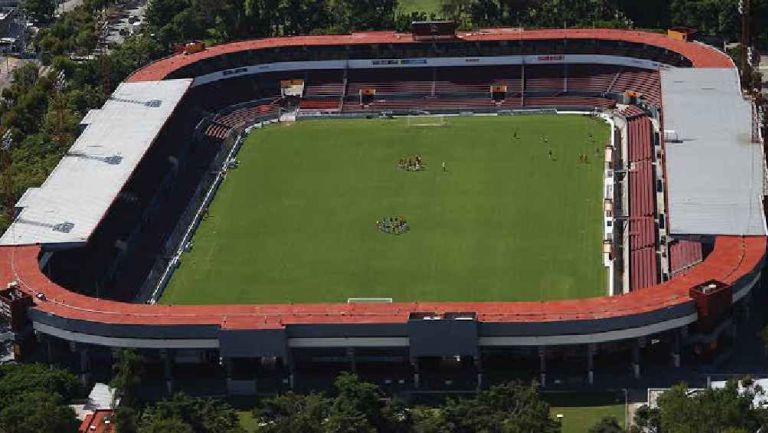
(428, 6)
(296, 222)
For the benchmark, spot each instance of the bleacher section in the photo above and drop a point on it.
(221, 125)
(639, 80)
(568, 102)
(683, 255)
(643, 265)
(477, 80)
(630, 111)
(406, 81)
(545, 78)
(444, 88)
(324, 83)
(591, 78)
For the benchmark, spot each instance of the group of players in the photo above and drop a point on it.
(393, 225)
(412, 163)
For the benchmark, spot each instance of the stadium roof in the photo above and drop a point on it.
(714, 169)
(69, 205)
(702, 56)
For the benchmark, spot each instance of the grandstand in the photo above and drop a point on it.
(684, 233)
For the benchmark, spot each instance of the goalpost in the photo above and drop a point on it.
(426, 120)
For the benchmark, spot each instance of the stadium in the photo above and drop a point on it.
(436, 210)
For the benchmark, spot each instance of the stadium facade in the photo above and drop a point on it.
(89, 249)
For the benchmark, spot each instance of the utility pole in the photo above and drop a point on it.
(6, 143)
(60, 134)
(746, 42)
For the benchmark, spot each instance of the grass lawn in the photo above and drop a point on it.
(582, 411)
(428, 6)
(296, 222)
(247, 421)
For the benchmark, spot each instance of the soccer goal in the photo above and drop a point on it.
(369, 300)
(427, 120)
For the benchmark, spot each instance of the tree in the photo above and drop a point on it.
(356, 406)
(166, 425)
(202, 415)
(37, 412)
(126, 420)
(361, 406)
(428, 420)
(707, 411)
(41, 11)
(647, 419)
(512, 407)
(128, 370)
(18, 379)
(290, 412)
(607, 424)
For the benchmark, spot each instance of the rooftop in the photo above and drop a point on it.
(714, 167)
(100, 421)
(69, 205)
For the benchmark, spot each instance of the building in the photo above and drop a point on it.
(689, 260)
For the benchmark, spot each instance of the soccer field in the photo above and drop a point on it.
(296, 222)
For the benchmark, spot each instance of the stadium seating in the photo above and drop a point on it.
(684, 254)
(324, 83)
(639, 80)
(591, 78)
(567, 101)
(643, 266)
(222, 124)
(417, 81)
(631, 111)
(640, 145)
(320, 104)
(549, 78)
(217, 131)
(477, 79)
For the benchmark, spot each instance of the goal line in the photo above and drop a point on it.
(369, 300)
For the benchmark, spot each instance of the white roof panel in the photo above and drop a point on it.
(714, 169)
(69, 205)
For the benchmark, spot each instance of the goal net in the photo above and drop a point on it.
(417, 121)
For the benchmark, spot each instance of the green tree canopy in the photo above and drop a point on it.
(37, 412)
(41, 11)
(128, 369)
(33, 399)
(512, 407)
(729, 409)
(18, 379)
(202, 415)
(292, 412)
(166, 425)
